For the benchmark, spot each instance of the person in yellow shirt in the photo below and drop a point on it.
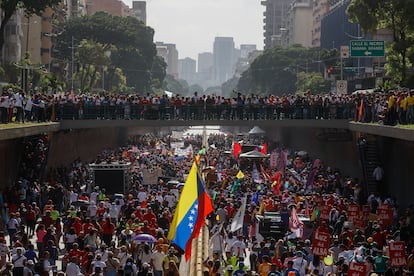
(403, 109)
(265, 266)
(391, 109)
(410, 108)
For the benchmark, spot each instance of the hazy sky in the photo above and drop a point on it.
(193, 24)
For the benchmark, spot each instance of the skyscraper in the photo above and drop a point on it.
(169, 53)
(274, 21)
(139, 10)
(224, 59)
(187, 70)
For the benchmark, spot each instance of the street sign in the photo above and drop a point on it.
(345, 51)
(341, 86)
(367, 48)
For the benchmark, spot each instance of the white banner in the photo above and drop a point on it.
(238, 219)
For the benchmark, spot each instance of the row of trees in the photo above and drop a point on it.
(287, 70)
(119, 51)
(106, 51)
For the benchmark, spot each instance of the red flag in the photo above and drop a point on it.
(276, 178)
(264, 148)
(236, 149)
(205, 207)
(361, 109)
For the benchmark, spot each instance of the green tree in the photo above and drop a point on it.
(229, 86)
(9, 7)
(275, 70)
(395, 15)
(175, 86)
(313, 82)
(131, 44)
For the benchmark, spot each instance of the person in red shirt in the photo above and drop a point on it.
(87, 226)
(84, 197)
(150, 216)
(74, 252)
(101, 210)
(47, 219)
(78, 226)
(230, 210)
(31, 220)
(108, 228)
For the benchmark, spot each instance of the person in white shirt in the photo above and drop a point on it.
(157, 259)
(238, 248)
(142, 195)
(18, 261)
(300, 263)
(99, 263)
(18, 104)
(73, 269)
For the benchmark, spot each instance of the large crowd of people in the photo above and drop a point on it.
(64, 224)
(395, 107)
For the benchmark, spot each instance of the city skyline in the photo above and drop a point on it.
(203, 20)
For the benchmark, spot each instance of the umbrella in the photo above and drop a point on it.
(257, 130)
(145, 238)
(253, 154)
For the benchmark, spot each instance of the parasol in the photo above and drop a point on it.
(145, 238)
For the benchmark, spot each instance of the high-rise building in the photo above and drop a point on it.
(224, 59)
(319, 10)
(205, 69)
(169, 53)
(113, 7)
(139, 10)
(298, 28)
(246, 49)
(274, 21)
(12, 47)
(187, 70)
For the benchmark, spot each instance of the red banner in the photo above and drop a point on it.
(357, 269)
(385, 215)
(397, 254)
(321, 242)
(353, 213)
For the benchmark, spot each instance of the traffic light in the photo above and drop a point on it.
(329, 71)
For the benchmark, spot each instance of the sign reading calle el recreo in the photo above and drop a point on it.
(367, 48)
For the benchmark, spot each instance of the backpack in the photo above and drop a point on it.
(128, 269)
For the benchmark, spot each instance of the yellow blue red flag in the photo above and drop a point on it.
(193, 207)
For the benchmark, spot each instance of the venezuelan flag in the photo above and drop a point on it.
(193, 207)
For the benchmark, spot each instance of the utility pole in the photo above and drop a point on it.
(73, 63)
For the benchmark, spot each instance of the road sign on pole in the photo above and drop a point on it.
(367, 48)
(341, 86)
(345, 51)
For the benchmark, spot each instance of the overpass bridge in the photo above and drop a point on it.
(334, 141)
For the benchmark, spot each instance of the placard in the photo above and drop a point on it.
(324, 212)
(353, 213)
(397, 254)
(356, 269)
(321, 242)
(385, 215)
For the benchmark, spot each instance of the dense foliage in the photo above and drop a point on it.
(397, 16)
(276, 71)
(114, 46)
